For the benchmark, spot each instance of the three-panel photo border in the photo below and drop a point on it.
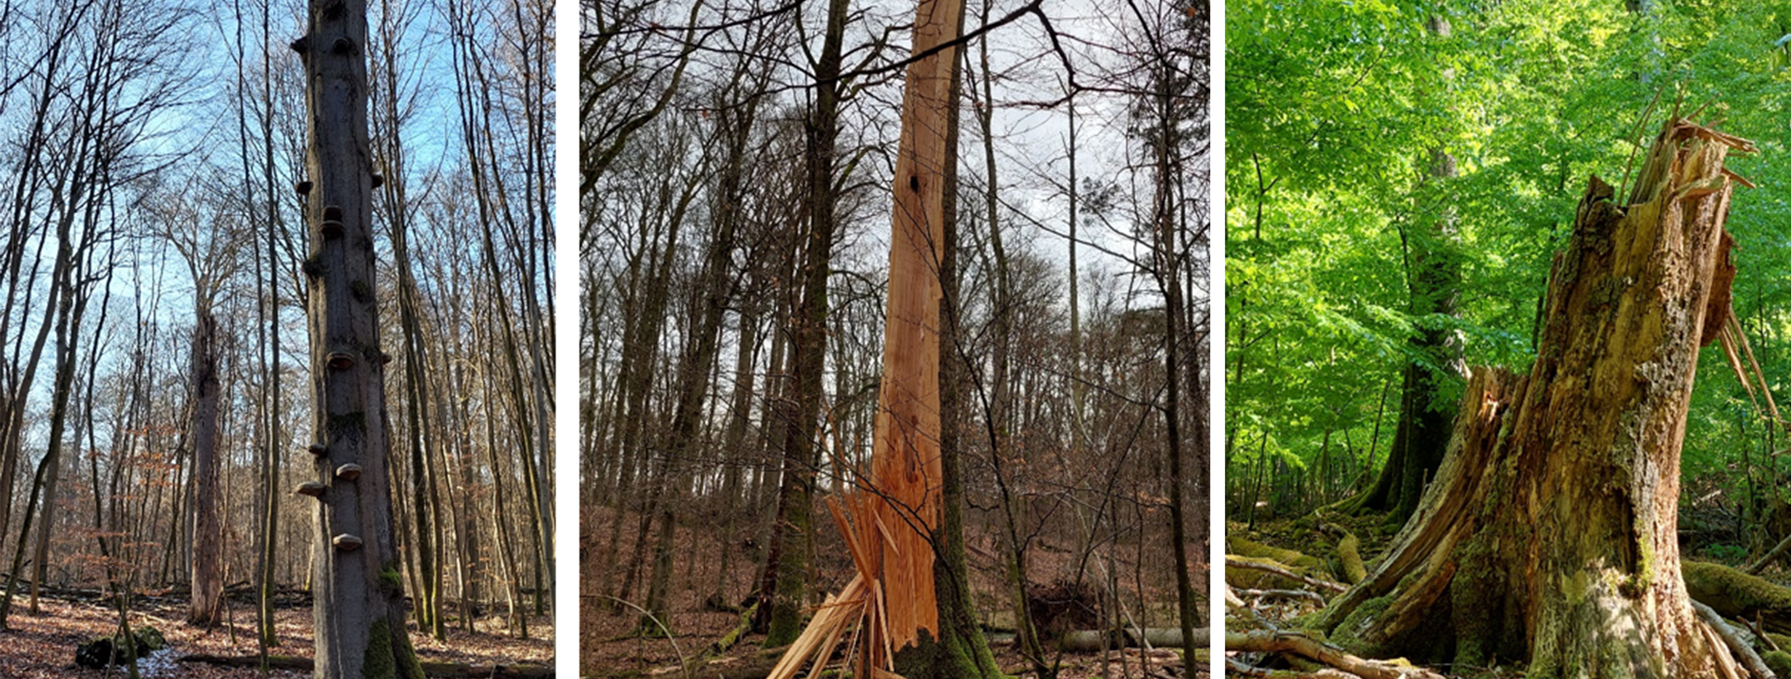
(943, 339)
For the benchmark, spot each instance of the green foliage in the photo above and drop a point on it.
(1333, 110)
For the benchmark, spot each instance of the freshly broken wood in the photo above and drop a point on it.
(1743, 652)
(441, 670)
(1307, 647)
(1094, 640)
(891, 516)
(1231, 562)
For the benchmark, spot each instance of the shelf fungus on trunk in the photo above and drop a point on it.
(311, 488)
(340, 360)
(318, 449)
(348, 472)
(346, 542)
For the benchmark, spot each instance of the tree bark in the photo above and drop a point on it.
(787, 572)
(1550, 533)
(206, 559)
(358, 612)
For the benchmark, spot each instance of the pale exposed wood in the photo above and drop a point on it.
(1743, 652)
(1288, 642)
(896, 509)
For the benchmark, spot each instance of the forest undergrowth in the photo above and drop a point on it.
(1312, 546)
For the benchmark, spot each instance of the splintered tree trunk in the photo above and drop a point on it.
(359, 605)
(905, 453)
(1550, 533)
(895, 525)
(207, 556)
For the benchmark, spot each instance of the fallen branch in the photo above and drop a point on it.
(1232, 562)
(1349, 554)
(1754, 568)
(1302, 645)
(1743, 652)
(1282, 594)
(1232, 666)
(733, 636)
(441, 670)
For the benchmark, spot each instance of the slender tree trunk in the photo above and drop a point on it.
(801, 428)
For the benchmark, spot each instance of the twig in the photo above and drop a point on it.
(668, 632)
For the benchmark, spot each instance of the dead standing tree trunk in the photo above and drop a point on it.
(359, 611)
(1550, 533)
(207, 556)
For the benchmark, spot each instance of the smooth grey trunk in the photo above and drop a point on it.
(358, 612)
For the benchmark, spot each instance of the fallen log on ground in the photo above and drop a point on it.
(440, 670)
(1294, 559)
(1090, 641)
(1735, 594)
(1264, 641)
(1349, 554)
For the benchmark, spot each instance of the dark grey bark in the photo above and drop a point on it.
(358, 611)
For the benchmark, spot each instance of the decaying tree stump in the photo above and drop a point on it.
(1549, 534)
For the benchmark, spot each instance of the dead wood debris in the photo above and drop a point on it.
(1232, 561)
(1270, 641)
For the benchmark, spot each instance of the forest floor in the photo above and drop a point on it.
(1708, 534)
(43, 645)
(609, 648)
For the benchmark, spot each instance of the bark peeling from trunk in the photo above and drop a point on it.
(1550, 533)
